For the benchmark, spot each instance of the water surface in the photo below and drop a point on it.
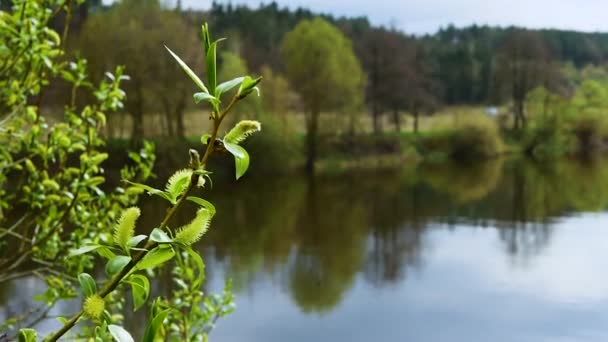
(498, 251)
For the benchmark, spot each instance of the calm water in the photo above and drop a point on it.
(503, 251)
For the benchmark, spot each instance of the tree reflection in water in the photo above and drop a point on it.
(314, 239)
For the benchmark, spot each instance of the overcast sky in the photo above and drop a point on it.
(426, 16)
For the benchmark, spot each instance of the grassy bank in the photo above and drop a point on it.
(455, 134)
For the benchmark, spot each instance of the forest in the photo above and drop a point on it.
(419, 96)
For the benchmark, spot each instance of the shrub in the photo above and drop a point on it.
(473, 136)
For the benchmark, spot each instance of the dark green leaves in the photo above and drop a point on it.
(155, 323)
(116, 264)
(87, 284)
(140, 288)
(119, 333)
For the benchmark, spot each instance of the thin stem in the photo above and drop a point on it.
(113, 284)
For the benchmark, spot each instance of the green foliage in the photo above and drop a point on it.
(326, 72)
(156, 83)
(471, 136)
(59, 210)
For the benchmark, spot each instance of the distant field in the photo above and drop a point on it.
(198, 122)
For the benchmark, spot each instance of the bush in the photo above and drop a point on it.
(590, 130)
(474, 136)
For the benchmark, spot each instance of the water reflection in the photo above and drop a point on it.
(322, 247)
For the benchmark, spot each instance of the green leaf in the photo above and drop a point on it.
(203, 203)
(105, 252)
(206, 36)
(83, 250)
(205, 138)
(140, 288)
(154, 191)
(242, 164)
(134, 241)
(234, 149)
(119, 333)
(249, 84)
(156, 257)
(87, 284)
(159, 236)
(154, 325)
(241, 158)
(28, 335)
(200, 265)
(200, 97)
(211, 67)
(116, 264)
(188, 71)
(227, 86)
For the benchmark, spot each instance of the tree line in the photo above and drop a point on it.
(319, 63)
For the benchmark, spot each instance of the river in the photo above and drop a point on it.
(507, 250)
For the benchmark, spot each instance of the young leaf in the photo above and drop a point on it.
(83, 250)
(140, 288)
(134, 241)
(205, 138)
(206, 36)
(200, 97)
(249, 84)
(159, 236)
(201, 267)
(234, 149)
(116, 264)
(87, 284)
(241, 164)
(154, 325)
(153, 191)
(203, 203)
(227, 86)
(28, 335)
(119, 333)
(188, 71)
(105, 252)
(211, 67)
(156, 257)
(241, 158)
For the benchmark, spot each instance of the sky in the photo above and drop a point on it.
(427, 16)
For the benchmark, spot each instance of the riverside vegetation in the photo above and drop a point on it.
(536, 79)
(57, 220)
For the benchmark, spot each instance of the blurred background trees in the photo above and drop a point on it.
(324, 70)
(130, 33)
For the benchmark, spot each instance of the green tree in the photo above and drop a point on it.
(129, 34)
(324, 70)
